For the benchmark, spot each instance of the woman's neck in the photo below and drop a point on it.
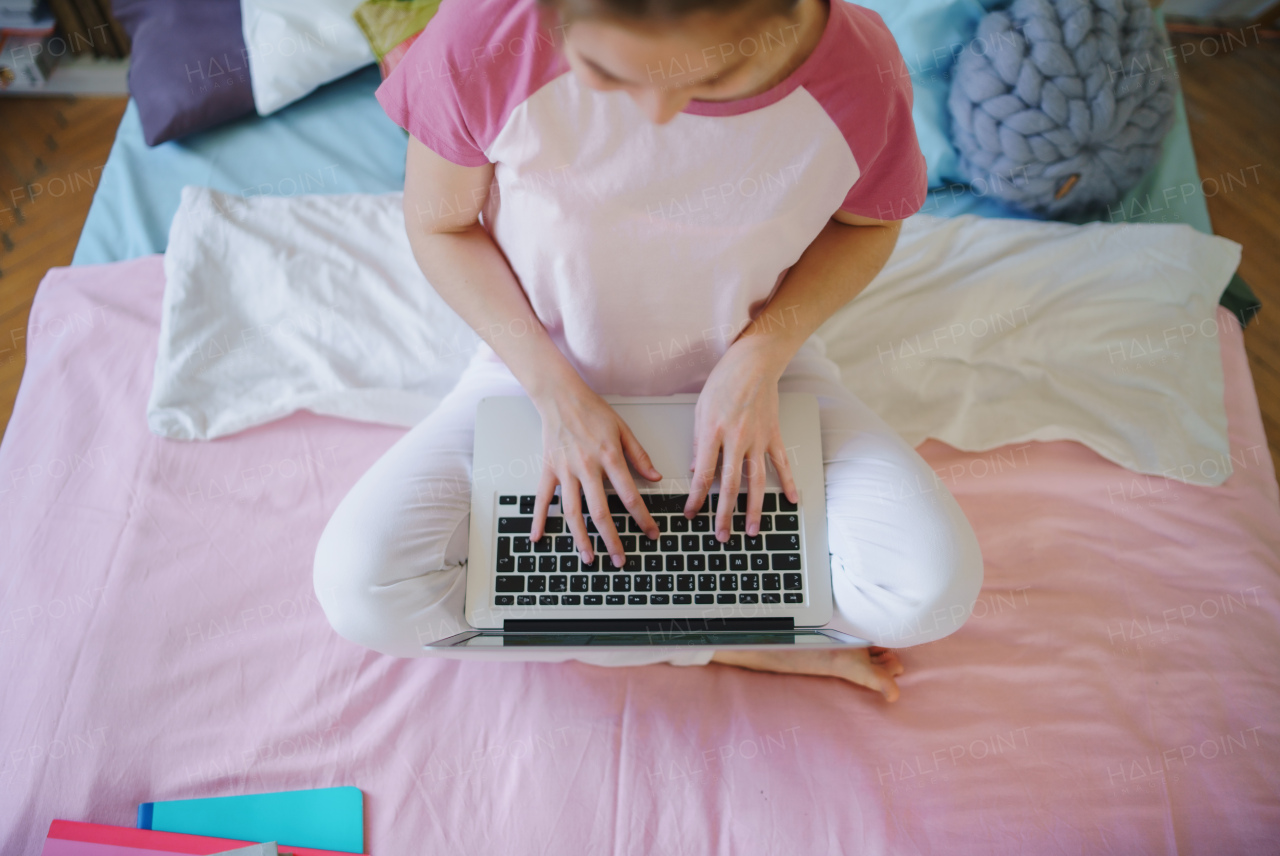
(800, 36)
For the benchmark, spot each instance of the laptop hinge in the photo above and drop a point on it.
(646, 625)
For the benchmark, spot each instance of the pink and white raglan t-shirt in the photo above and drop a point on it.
(646, 249)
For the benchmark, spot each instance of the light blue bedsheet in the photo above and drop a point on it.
(338, 140)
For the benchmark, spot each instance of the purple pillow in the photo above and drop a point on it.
(189, 70)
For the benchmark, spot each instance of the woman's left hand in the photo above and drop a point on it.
(737, 414)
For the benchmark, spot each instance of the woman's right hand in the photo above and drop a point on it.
(583, 441)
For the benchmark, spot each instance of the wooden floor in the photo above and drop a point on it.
(52, 152)
(51, 157)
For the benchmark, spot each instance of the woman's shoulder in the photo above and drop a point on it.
(475, 62)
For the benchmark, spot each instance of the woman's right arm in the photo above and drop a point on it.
(583, 438)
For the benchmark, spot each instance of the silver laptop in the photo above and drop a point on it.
(682, 590)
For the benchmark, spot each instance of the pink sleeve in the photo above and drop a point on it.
(873, 110)
(476, 61)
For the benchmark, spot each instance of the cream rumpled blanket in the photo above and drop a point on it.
(978, 332)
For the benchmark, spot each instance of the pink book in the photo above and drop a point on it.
(71, 838)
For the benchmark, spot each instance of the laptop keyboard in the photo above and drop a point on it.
(686, 565)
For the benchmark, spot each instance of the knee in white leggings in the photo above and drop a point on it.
(905, 563)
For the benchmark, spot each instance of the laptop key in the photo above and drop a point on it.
(504, 546)
(646, 544)
(696, 563)
(592, 599)
(570, 600)
(786, 522)
(554, 525)
(543, 544)
(558, 583)
(679, 523)
(568, 564)
(728, 582)
(675, 564)
(734, 543)
(637, 599)
(535, 583)
(564, 543)
(621, 582)
(631, 564)
(759, 561)
(701, 523)
(726, 598)
(785, 504)
(771, 597)
(506, 565)
(790, 582)
(717, 562)
(748, 598)
(786, 561)
(615, 504)
(521, 544)
(689, 543)
(754, 542)
(653, 564)
(549, 600)
(710, 544)
(772, 582)
(782, 542)
(615, 599)
(669, 543)
(793, 597)
(684, 582)
(515, 524)
(681, 599)
(750, 582)
(526, 600)
(507, 499)
(766, 522)
(578, 582)
(509, 583)
(527, 503)
(526, 564)
(704, 598)
(706, 582)
(547, 564)
(738, 562)
(664, 582)
(659, 599)
(770, 503)
(643, 582)
(600, 583)
(504, 599)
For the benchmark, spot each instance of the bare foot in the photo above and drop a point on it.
(873, 668)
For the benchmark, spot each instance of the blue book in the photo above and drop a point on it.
(321, 818)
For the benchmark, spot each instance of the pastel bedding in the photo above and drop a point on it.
(1113, 691)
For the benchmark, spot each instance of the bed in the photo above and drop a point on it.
(1114, 691)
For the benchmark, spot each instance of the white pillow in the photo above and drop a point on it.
(297, 45)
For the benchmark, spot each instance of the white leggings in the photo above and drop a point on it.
(390, 567)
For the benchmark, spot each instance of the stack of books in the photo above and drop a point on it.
(320, 822)
(27, 52)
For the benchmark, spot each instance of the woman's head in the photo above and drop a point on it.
(665, 53)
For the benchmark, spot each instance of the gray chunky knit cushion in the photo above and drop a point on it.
(1059, 106)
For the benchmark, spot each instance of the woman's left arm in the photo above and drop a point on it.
(737, 410)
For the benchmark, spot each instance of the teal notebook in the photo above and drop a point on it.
(323, 818)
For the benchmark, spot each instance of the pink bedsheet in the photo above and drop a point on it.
(1116, 690)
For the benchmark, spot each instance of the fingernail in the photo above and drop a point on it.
(617, 561)
(722, 535)
(586, 556)
(753, 530)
